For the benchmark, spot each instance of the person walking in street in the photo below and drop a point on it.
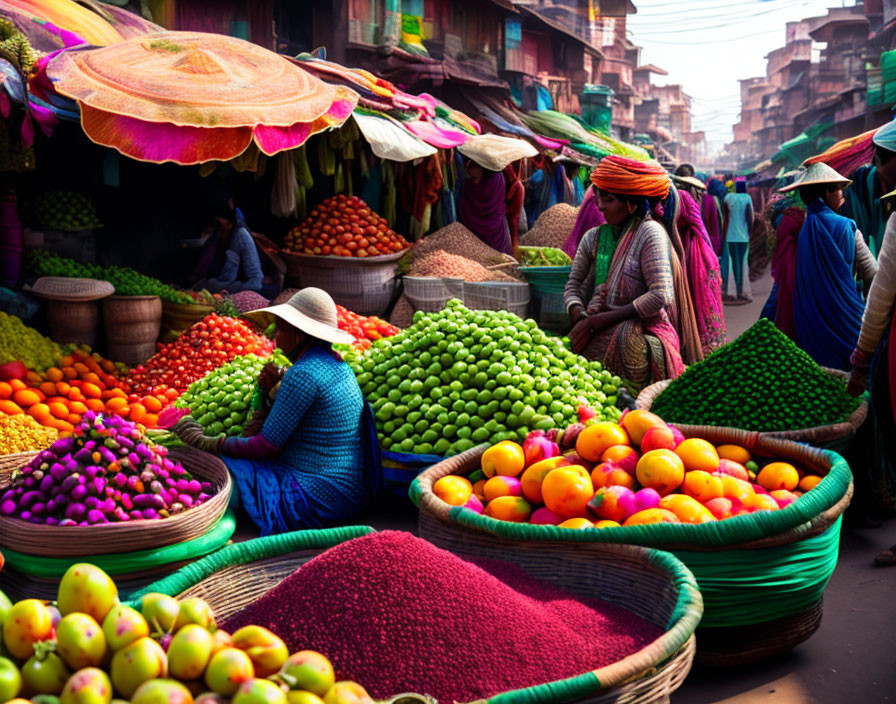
(830, 254)
(739, 218)
(621, 295)
(714, 215)
(701, 265)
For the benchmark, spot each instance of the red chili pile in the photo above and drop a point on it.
(366, 330)
(397, 612)
(344, 226)
(210, 343)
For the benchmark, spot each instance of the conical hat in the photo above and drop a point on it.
(817, 174)
(690, 181)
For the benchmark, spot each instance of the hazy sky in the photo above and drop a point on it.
(708, 45)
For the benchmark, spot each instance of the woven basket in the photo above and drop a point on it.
(60, 288)
(650, 583)
(28, 577)
(364, 285)
(837, 436)
(742, 588)
(177, 317)
(63, 541)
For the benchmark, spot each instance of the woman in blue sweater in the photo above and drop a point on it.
(316, 461)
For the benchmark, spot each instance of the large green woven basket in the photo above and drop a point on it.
(651, 583)
(762, 575)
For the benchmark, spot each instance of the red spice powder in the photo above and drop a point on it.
(396, 614)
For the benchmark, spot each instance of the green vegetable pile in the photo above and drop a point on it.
(127, 282)
(27, 345)
(543, 256)
(762, 381)
(66, 210)
(460, 377)
(221, 400)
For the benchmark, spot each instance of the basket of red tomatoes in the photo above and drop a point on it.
(348, 250)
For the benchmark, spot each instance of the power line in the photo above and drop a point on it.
(722, 23)
(721, 17)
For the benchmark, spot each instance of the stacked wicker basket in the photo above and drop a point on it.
(134, 553)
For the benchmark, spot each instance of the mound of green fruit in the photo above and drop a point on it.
(460, 377)
(127, 282)
(66, 210)
(27, 345)
(221, 400)
(762, 381)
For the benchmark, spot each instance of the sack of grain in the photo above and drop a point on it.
(552, 227)
(458, 240)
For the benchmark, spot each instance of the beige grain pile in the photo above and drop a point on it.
(552, 228)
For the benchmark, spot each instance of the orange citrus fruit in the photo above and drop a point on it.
(596, 439)
(778, 475)
(698, 454)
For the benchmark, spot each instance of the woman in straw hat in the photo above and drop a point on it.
(316, 460)
(621, 293)
(831, 254)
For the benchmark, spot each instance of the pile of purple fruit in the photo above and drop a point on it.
(107, 471)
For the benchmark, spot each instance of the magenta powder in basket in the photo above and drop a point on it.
(397, 614)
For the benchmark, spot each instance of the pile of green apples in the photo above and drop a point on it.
(89, 648)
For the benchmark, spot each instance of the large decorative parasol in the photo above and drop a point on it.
(191, 97)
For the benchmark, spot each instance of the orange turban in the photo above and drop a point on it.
(618, 174)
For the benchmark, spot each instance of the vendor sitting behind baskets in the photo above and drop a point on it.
(316, 460)
(230, 262)
(620, 295)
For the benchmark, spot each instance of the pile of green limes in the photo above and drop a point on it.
(460, 377)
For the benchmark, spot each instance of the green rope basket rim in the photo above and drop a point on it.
(127, 562)
(682, 623)
(832, 492)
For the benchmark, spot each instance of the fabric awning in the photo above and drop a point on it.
(389, 140)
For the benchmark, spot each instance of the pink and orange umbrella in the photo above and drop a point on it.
(191, 97)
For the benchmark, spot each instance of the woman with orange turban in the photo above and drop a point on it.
(621, 293)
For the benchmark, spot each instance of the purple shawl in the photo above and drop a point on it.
(702, 266)
(588, 218)
(484, 212)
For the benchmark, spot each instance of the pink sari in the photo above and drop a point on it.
(704, 279)
(784, 268)
(712, 217)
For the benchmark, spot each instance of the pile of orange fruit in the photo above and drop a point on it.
(59, 396)
(636, 472)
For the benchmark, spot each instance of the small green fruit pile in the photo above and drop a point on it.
(762, 381)
(127, 282)
(543, 256)
(27, 345)
(221, 400)
(66, 210)
(460, 377)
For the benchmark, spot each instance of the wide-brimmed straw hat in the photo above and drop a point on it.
(312, 311)
(690, 181)
(817, 174)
